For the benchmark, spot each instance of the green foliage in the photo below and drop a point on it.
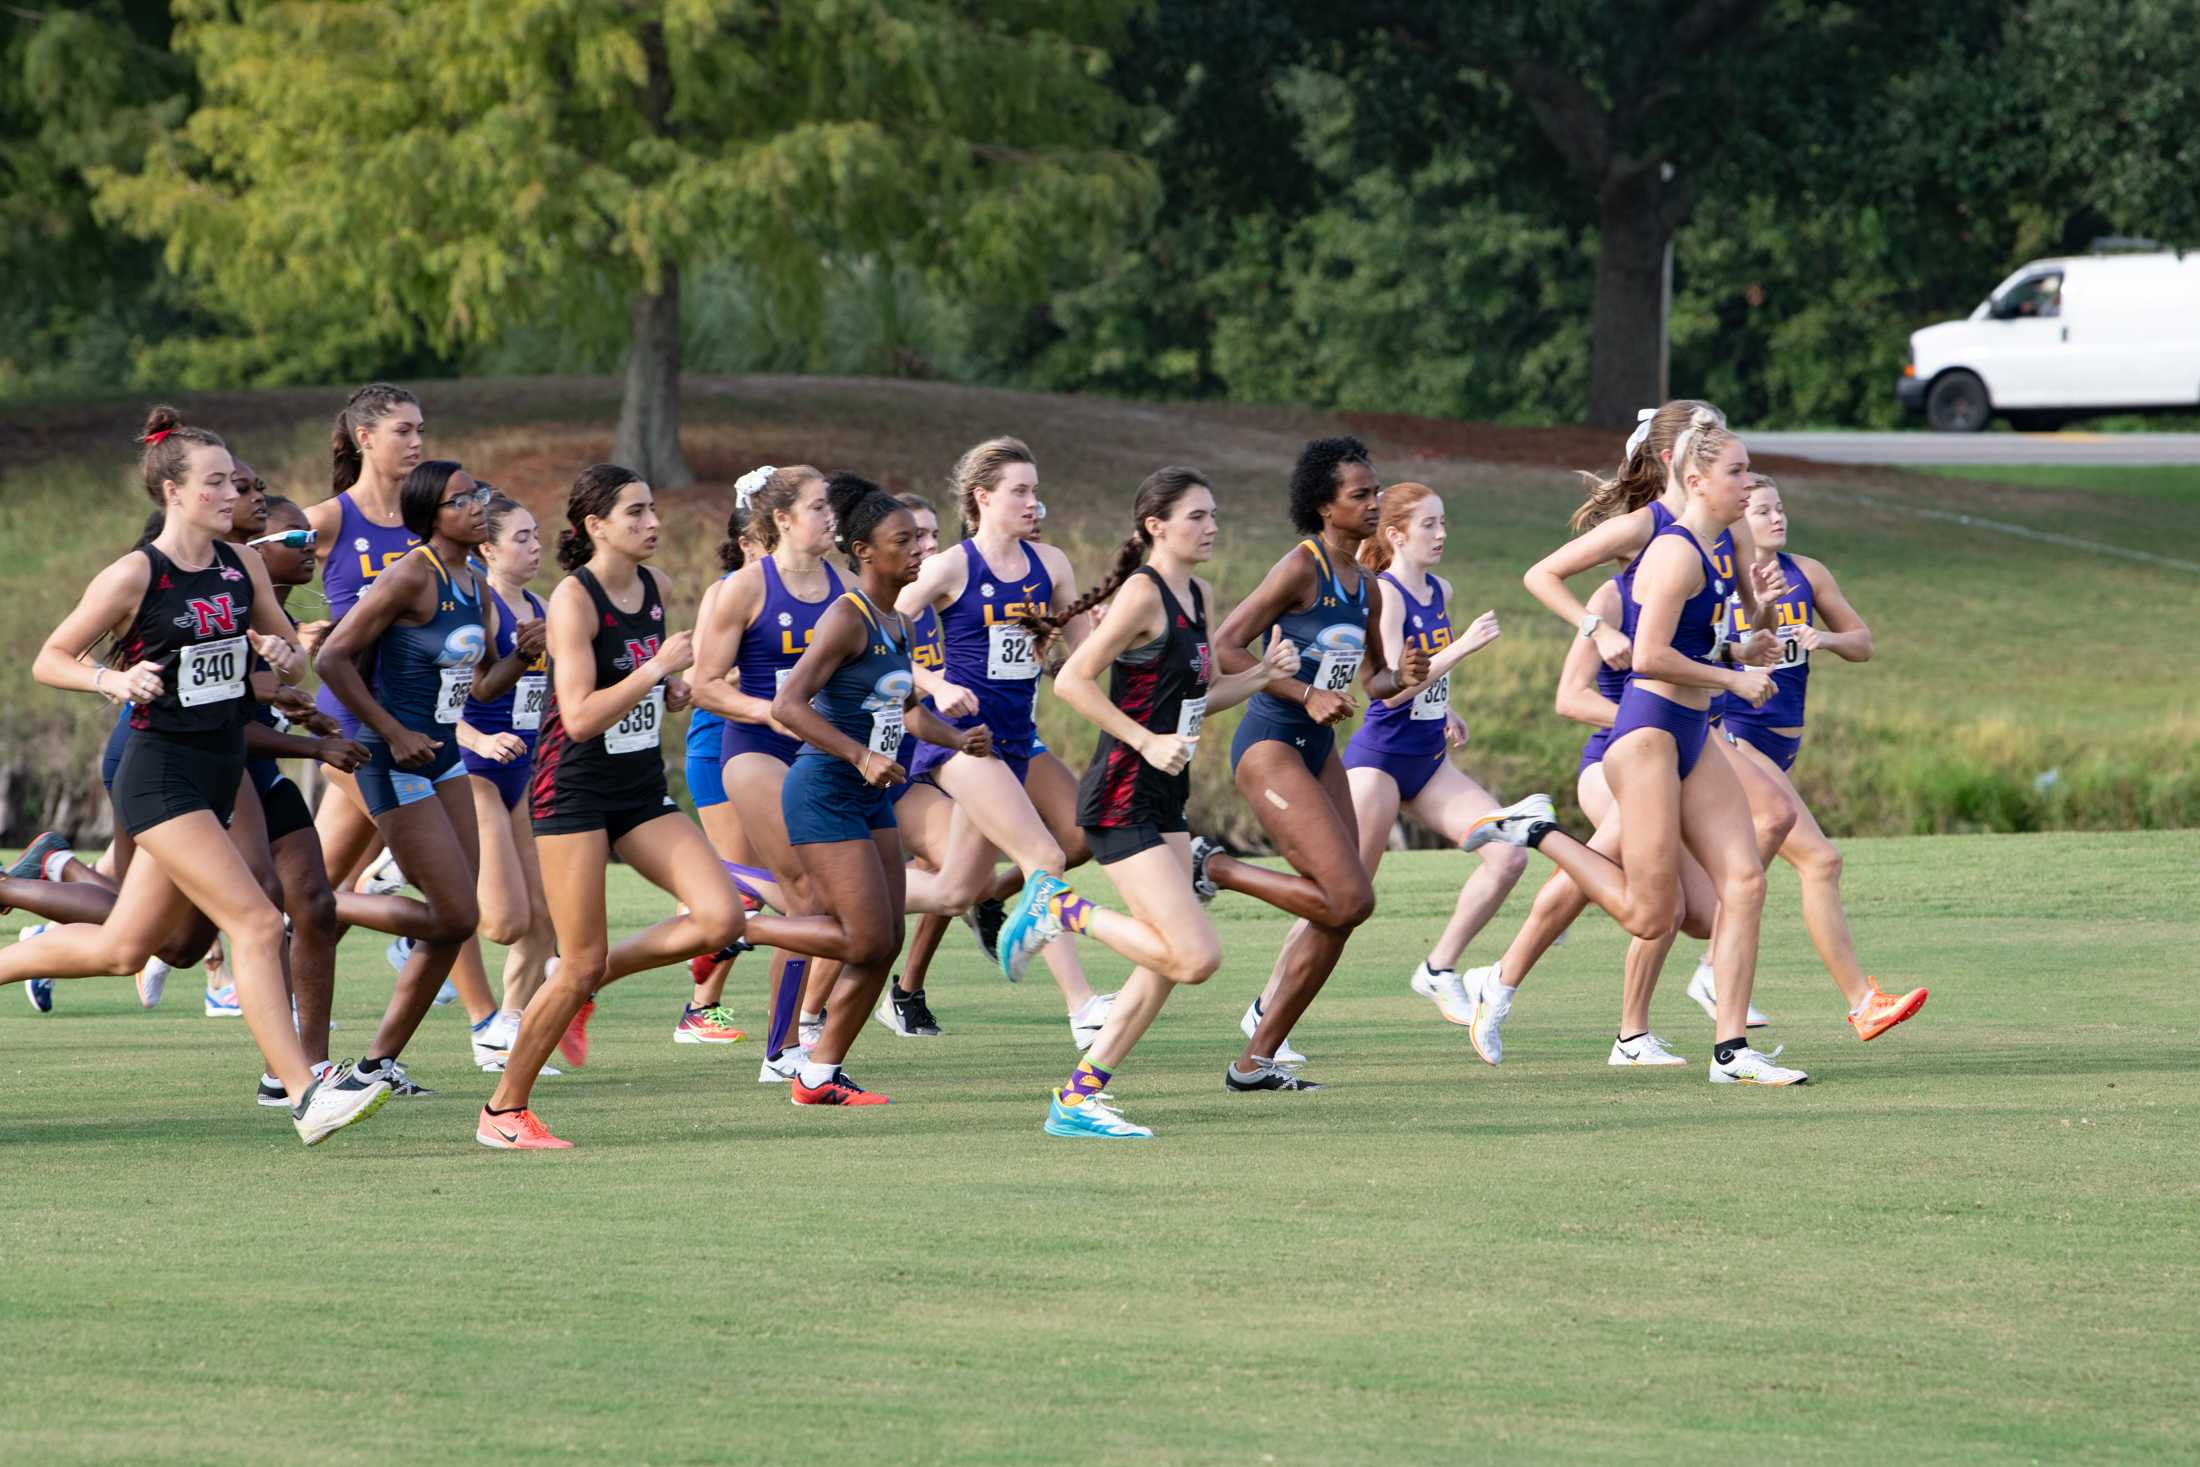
(533, 161)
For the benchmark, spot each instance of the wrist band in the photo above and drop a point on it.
(97, 674)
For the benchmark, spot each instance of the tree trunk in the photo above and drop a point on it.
(648, 439)
(1632, 228)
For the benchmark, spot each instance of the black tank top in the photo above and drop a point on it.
(1162, 684)
(193, 624)
(623, 765)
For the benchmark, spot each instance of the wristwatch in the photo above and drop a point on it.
(1590, 621)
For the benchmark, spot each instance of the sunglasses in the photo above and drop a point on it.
(288, 539)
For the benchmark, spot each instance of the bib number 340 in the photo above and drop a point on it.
(211, 672)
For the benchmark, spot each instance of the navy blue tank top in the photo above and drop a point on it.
(1331, 636)
(422, 673)
(865, 696)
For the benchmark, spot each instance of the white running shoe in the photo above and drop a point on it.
(383, 878)
(493, 1040)
(1510, 826)
(339, 1098)
(1643, 1049)
(1748, 1067)
(1085, 1025)
(808, 1031)
(1707, 997)
(1492, 1000)
(398, 953)
(782, 1071)
(152, 981)
(1445, 990)
(221, 1003)
(1285, 1054)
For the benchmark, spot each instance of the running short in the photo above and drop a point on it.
(572, 812)
(383, 786)
(510, 781)
(110, 758)
(826, 799)
(1112, 843)
(755, 738)
(1592, 751)
(1312, 742)
(1641, 708)
(1411, 771)
(929, 757)
(706, 776)
(163, 776)
(1780, 748)
(282, 804)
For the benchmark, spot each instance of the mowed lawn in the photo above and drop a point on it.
(1969, 1242)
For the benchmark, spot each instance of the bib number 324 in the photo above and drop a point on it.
(1009, 654)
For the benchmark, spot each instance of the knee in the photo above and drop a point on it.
(1696, 924)
(505, 927)
(721, 922)
(1507, 863)
(453, 921)
(1820, 863)
(874, 944)
(1773, 826)
(582, 972)
(1193, 963)
(124, 954)
(263, 928)
(1353, 905)
(1652, 918)
(1050, 857)
(315, 909)
(1744, 891)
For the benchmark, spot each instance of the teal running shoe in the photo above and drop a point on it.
(1091, 1118)
(1030, 924)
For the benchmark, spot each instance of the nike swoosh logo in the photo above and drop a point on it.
(507, 1135)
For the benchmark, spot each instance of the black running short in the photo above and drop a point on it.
(572, 814)
(281, 801)
(166, 775)
(1112, 843)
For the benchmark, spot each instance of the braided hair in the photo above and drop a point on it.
(1156, 500)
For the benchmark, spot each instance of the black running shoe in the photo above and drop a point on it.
(402, 1086)
(272, 1094)
(985, 920)
(1269, 1076)
(915, 1014)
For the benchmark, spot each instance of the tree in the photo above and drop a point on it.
(432, 171)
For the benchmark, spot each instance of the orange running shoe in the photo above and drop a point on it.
(1882, 1011)
(520, 1131)
(574, 1046)
(839, 1090)
(713, 1025)
(702, 966)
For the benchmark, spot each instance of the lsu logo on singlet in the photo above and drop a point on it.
(1788, 613)
(368, 570)
(1431, 642)
(1016, 611)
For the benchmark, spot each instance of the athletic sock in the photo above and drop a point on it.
(508, 1111)
(1631, 1038)
(51, 868)
(814, 1074)
(812, 1018)
(1087, 1080)
(785, 996)
(485, 1023)
(1073, 911)
(1726, 1049)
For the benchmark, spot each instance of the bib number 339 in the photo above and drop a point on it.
(641, 727)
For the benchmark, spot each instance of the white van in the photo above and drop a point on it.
(2061, 339)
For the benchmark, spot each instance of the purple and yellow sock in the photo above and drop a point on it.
(1086, 1081)
(1072, 910)
(784, 999)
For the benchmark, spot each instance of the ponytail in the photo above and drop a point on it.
(1642, 475)
(368, 406)
(1156, 500)
(594, 493)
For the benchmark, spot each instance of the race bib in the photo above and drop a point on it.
(1337, 670)
(452, 686)
(1792, 651)
(640, 729)
(779, 679)
(1433, 701)
(886, 732)
(1009, 653)
(1190, 715)
(529, 700)
(210, 672)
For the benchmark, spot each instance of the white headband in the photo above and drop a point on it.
(745, 487)
(1642, 432)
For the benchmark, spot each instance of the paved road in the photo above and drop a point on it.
(1921, 449)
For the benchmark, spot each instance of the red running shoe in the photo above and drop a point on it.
(518, 1132)
(839, 1090)
(574, 1046)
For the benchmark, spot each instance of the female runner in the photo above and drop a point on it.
(991, 594)
(1398, 759)
(496, 738)
(186, 611)
(1284, 753)
(425, 630)
(1769, 738)
(359, 532)
(1162, 686)
(599, 789)
(1669, 793)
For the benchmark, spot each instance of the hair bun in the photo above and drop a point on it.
(162, 419)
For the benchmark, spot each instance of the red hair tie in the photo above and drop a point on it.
(153, 438)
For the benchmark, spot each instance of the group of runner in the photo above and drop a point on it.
(862, 747)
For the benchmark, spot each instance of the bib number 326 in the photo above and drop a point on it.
(640, 729)
(529, 700)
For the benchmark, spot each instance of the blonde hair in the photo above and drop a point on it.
(1399, 502)
(1641, 477)
(1700, 443)
(981, 467)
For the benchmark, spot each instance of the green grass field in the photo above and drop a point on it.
(1969, 1242)
(2000, 659)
